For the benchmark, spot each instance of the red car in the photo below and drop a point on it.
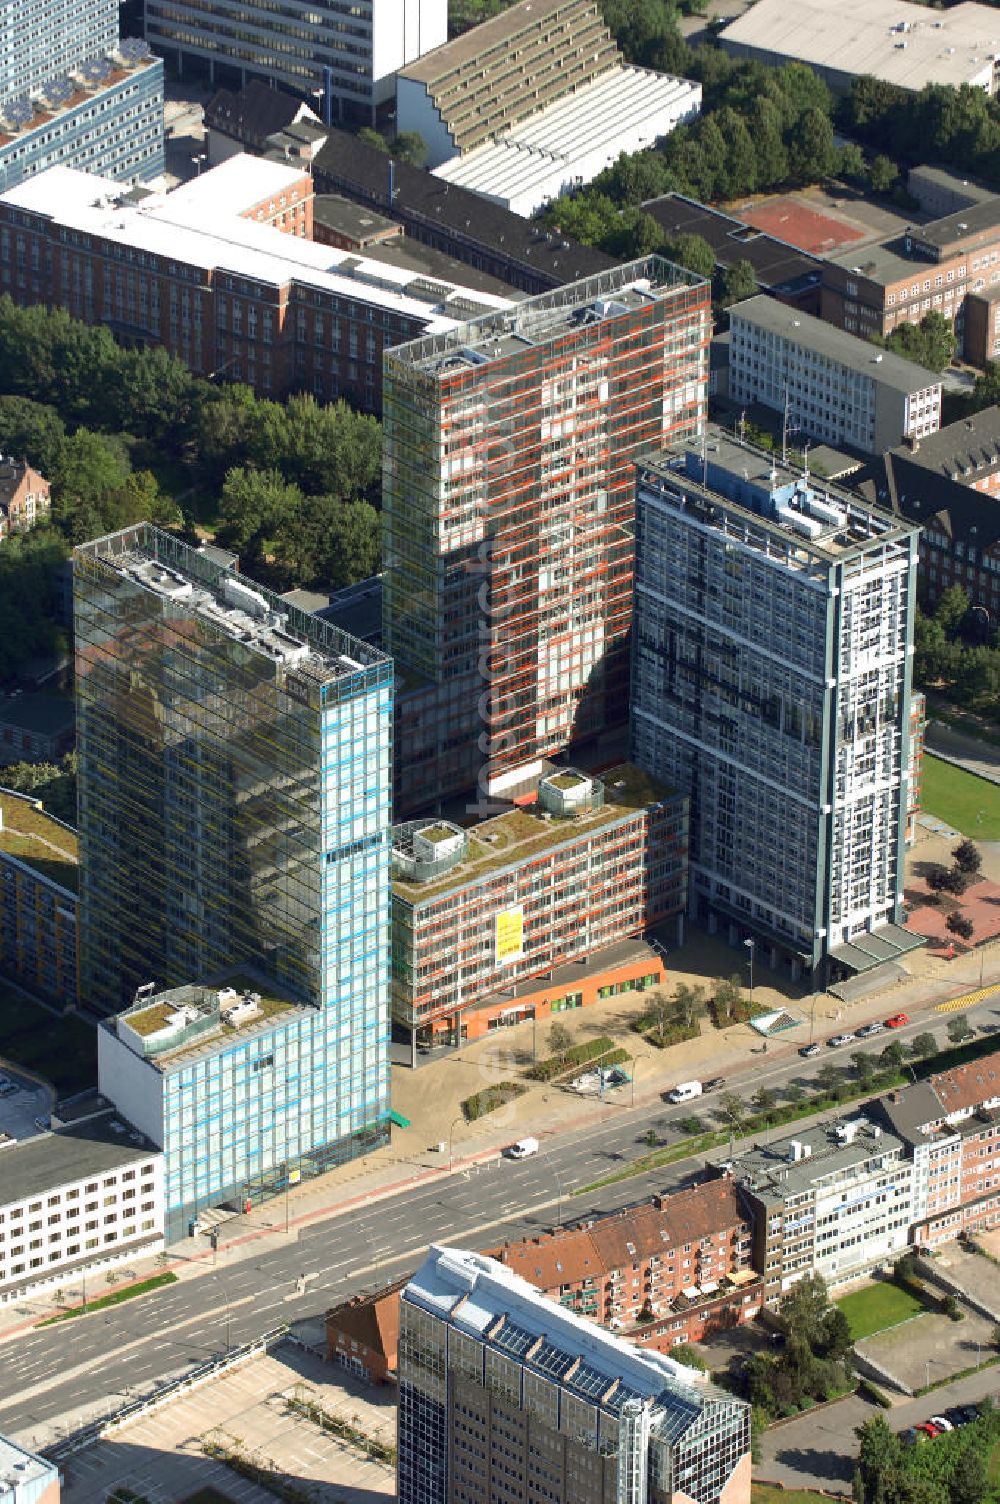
(897, 1020)
(928, 1429)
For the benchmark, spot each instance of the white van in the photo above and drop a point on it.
(685, 1092)
(521, 1149)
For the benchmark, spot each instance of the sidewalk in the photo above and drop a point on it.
(430, 1097)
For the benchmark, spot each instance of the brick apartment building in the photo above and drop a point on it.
(483, 918)
(205, 272)
(951, 1123)
(669, 1271)
(949, 483)
(932, 266)
(25, 496)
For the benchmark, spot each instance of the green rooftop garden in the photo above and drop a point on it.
(521, 833)
(34, 838)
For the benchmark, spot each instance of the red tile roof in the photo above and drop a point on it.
(968, 1086)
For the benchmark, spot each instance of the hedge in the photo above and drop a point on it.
(578, 1054)
(492, 1097)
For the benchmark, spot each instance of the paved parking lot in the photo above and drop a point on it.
(928, 1348)
(19, 1110)
(161, 1458)
(979, 1276)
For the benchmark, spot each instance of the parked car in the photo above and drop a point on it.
(897, 1020)
(928, 1428)
(969, 1413)
(685, 1091)
(867, 1030)
(942, 1423)
(840, 1039)
(956, 1415)
(809, 1050)
(521, 1149)
(716, 1083)
(909, 1436)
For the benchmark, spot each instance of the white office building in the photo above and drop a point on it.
(345, 56)
(85, 1197)
(832, 386)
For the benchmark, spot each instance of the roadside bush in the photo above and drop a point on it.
(492, 1097)
(579, 1054)
(872, 1393)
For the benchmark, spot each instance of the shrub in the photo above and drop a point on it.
(579, 1054)
(492, 1097)
(872, 1393)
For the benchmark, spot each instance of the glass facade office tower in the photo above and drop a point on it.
(234, 811)
(505, 1394)
(771, 682)
(508, 517)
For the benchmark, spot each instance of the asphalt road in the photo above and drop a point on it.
(49, 1374)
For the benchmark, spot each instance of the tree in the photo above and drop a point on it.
(560, 1040)
(923, 1046)
(883, 174)
(54, 784)
(812, 152)
(688, 1004)
(728, 999)
(829, 1078)
(959, 1028)
(692, 252)
(930, 343)
(851, 162)
(955, 881)
(879, 1471)
(251, 507)
(960, 924)
(686, 1354)
(658, 1011)
(938, 879)
(764, 1102)
(373, 138)
(967, 857)
(951, 610)
(732, 1111)
(410, 146)
(737, 283)
(864, 1066)
(968, 1482)
(892, 1057)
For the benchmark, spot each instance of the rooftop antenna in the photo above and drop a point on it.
(805, 462)
(743, 425)
(784, 429)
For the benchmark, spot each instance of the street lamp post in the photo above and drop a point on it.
(749, 943)
(451, 1138)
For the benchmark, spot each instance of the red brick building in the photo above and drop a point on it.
(202, 272)
(667, 1272)
(362, 1335)
(952, 1123)
(25, 496)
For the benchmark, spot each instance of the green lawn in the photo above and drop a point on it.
(876, 1307)
(761, 1493)
(970, 804)
(114, 1298)
(60, 1047)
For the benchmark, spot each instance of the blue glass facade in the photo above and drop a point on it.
(234, 775)
(116, 132)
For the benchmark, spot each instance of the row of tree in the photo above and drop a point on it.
(937, 124)
(952, 1471)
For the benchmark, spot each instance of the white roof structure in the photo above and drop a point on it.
(22, 1474)
(473, 1291)
(893, 40)
(235, 186)
(189, 227)
(569, 142)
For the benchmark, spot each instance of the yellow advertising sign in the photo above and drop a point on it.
(510, 935)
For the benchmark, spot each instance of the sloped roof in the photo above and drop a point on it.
(371, 1320)
(255, 111)
(968, 1086)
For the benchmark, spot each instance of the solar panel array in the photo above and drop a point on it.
(512, 1339)
(96, 70)
(133, 49)
(19, 111)
(59, 90)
